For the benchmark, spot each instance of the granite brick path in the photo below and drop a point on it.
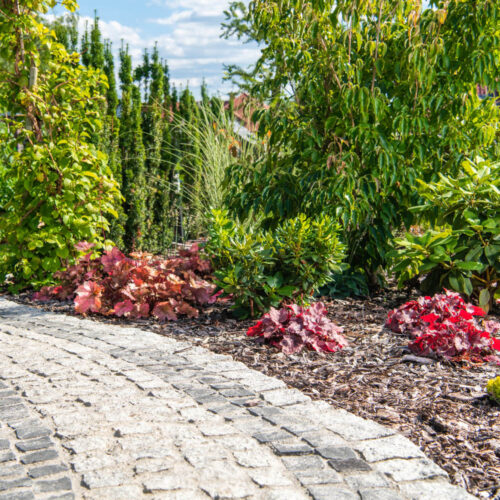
(93, 411)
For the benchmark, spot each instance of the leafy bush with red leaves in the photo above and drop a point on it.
(293, 327)
(446, 326)
(137, 286)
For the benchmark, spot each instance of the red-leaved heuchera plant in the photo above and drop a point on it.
(446, 326)
(137, 286)
(293, 327)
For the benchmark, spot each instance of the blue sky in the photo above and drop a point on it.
(187, 32)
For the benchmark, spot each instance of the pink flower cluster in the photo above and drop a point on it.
(446, 326)
(292, 328)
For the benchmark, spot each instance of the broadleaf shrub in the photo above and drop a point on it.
(462, 252)
(261, 269)
(493, 388)
(138, 286)
(293, 328)
(446, 326)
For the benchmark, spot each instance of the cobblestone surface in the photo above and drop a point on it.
(94, 411)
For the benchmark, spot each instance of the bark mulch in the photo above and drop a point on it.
(440, 406)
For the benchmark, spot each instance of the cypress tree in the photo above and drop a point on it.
(111, 138)
(191, 165)
(205, 99)
(96, 45)
(85, 50)
(132, 157)
(157, 173)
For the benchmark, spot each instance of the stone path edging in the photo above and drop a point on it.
(138, 415)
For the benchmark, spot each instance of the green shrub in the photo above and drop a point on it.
(462, 252)
(264, 268)
(62, 188)
(493, 388)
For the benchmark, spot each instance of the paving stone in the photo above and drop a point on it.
(4, 444)
(366, 480)
(103, 478)
(154, 465)
(7, 457)
(11, 470)
(31, 432)
(34, 444)
(337, 453)
(349, 465)
(292, 448)
(269, 437)
(312, 477)
(388, 447)
(433, 490)
(251, 458)
(46, 470)
(39, 456)
(284, 494)
(304, 463)
(268, 477)
(409, 470)
(236, 392)
(166, 482)
(21, 495)
(15, 483)
(62, 484)
(10, 401)
(330, 492)
(318, 439)
(352, 427)
(379, 494)
(284, 397)
(65, 496)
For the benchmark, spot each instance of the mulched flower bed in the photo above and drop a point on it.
(439, 406)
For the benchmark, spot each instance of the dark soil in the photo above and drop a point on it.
(440, 406)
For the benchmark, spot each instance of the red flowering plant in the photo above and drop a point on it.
(137, 286)
(293, 327)
(446, 326)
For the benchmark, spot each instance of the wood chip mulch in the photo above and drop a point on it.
(440, 406)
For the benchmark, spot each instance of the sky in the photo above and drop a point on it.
(187, 32)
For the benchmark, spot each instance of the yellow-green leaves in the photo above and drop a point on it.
(54, 202)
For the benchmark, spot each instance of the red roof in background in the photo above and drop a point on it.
(244, 107)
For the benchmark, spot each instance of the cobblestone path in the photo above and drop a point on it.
(93, 411)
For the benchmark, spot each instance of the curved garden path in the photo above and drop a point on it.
(94, 411)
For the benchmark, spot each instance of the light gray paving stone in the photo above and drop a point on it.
(314, 477)
(284, 397)
(330, 492)
(396, 446)
(304, 463)
(409, 470)
(366, 480)
(11, 470)
(284, 494)
(433, 490)
(379, 494)
(103, 478)
(269, 477)
(20, 495)
(23, 482)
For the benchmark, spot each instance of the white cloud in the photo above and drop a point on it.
(188, 38)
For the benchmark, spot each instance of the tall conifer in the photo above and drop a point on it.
(132, 157)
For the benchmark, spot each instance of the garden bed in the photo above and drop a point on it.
(439, 406)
